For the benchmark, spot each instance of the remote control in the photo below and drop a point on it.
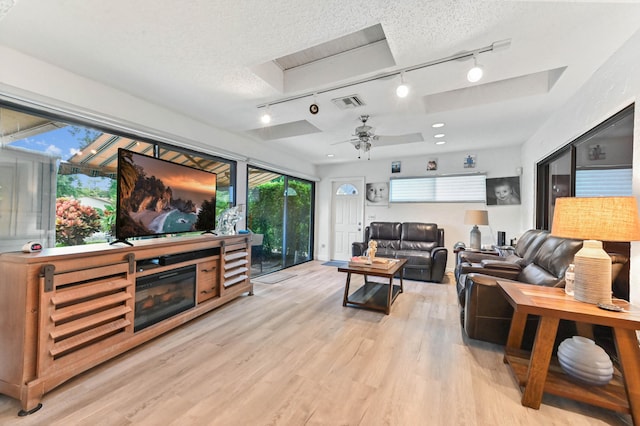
(610, 307)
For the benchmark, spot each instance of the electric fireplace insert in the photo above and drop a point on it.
(160, 296)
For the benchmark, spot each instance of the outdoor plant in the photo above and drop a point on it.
(74, 222)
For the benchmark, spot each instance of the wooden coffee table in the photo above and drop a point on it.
(537, 372)
(374, 295)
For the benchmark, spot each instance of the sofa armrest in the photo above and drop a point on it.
(500, 265)
(487, 313)
(358, 248)
(478, 268)
(438, 263)
(476, 256)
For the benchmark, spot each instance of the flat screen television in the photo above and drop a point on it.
(158, 197)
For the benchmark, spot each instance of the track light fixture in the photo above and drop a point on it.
(266, 116)
(402, 90)
(475, 74)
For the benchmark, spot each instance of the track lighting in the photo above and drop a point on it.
(266, 116)
(475, 74)
(402, 90)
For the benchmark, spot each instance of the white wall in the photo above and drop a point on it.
(614, 86)
(25, 77)
(449, 216)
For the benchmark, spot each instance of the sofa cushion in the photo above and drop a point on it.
(528, 245)
(534, 274)
(386, 234)
(415, 258)
(388, 252)
(556, 254)
(419, 236)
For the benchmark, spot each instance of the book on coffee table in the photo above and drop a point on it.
(378, 262)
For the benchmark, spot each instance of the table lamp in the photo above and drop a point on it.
(595, 219)
(475, 218)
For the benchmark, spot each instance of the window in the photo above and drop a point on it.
(347, 189)
(52, 165)
(280, 209)
(598, 163)
(603, 183)
(439, 189)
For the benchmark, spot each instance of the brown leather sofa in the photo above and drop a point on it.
(539, 258)
(506, 266)
(422, 244)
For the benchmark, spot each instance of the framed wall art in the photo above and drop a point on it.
(377, 194)
(503, 191)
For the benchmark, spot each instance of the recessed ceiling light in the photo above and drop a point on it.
(440, 142)
(436, 125)
(330, 155)
(439, 135)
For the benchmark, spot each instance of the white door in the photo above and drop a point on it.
(347, 216)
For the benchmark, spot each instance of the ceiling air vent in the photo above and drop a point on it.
(351, 101)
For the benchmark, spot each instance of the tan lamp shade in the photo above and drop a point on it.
(476, 217)
(595, 219)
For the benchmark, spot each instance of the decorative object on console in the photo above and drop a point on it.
(475, 218)
(595, 219)
(228, 220)
(371, 251)
(582, 359)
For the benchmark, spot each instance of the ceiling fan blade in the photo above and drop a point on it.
(381, 140)
(354, 140)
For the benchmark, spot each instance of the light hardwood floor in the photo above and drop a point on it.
(293, 355)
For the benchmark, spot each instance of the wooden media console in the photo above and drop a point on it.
(66, 310)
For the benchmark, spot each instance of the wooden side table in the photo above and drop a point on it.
(536, 373)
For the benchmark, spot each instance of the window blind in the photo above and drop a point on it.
(438, 189)
(603, 182)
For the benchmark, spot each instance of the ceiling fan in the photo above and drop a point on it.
(365, 138)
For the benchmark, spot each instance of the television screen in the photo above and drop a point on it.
(157, 197)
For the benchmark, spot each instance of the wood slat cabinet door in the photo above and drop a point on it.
(83, 312)
(235, 269)
(207, 279)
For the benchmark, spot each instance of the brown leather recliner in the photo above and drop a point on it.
(486, 314)
(508, 266)
(422, 244)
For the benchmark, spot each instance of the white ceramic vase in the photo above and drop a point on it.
(582, 359)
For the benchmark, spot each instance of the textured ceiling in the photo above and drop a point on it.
(200, 57)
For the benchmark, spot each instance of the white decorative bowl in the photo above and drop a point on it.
(582, 359)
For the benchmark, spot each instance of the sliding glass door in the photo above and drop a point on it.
(280, 214)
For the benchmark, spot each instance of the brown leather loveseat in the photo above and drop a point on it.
(422, 244)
